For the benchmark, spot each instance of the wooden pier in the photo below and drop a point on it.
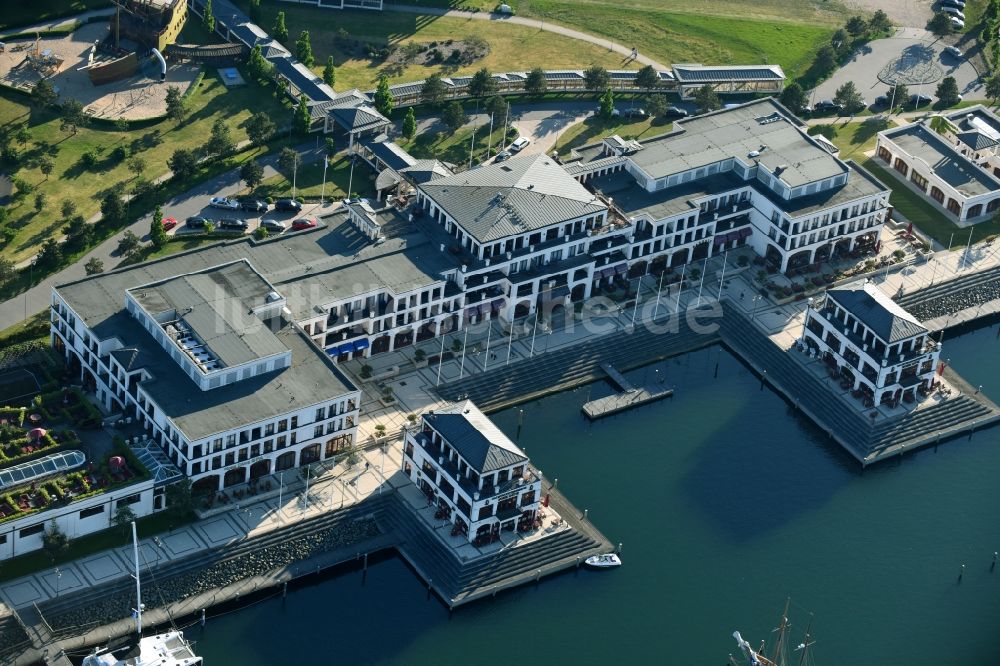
(629, 396)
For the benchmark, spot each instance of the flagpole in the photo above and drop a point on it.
(680, 289)
(659, 286)
(533, 329)
(510, 341)
(461, 369)
(506, 115)
(723, 278)
(440, 361)
(704, 269)
(489, 331)
(489, 141)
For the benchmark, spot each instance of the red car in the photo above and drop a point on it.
(303, 223)
(169, 223)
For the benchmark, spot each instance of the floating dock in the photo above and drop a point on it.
(629, 396)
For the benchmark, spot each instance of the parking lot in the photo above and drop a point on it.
(252, 218)
(911, 50)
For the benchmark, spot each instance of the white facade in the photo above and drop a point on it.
(480, 501)
(93, 514)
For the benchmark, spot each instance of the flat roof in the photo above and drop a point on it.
(217, 305)
(944, 161)
(763, 126)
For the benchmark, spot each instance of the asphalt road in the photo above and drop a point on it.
(190, 203)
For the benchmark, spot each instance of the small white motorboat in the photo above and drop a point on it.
(607, 561)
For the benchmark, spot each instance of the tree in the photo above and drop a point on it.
(454, 116)
(383, 98)
(260, 233)
(841, 41)
(157, 234)
(647, 78)
(252, 174)
(209, 227)
(898, 95)
(879, 22)
(287, 159)
(657, 105)
(137, 165)
(209, 19)
(183, 164)
(947, 91)
(179, 501)
(826, 60)
(254, 11)
(596, 78)
(536, 83)
(93, 266)
(73, 116)
(54, 541)
(433, 90)
(176, 107)
(43, 94)
(40, 200)
(302, 118)
(220, 142)
(68, 209)
(330, 146)
(121, 125)
(7, 270)
(940, 24)
(22, 135)
(280, 31)
(257, 66)
(303, 49)
(78, 233)
(45, 165)
(128, 244)
(857, 26)
(410, 124)
(794, 97)
(260, 128)
(123, 518)
(329, 72)
(607, 111)
(848, 97)
(706, 98)
(482, 84)
(496, 106)
(49, 255)
(112, 209)
(993, 87)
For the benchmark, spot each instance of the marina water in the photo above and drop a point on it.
(726, 501)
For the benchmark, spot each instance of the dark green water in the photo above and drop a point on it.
(726, 501)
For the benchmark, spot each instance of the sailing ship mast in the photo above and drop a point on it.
(780, 652)
(138, 586)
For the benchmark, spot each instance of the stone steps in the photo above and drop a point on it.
(948, 287)
(927, 421)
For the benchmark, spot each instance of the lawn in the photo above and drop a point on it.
(309, 181)
(512, 47)
(69, 181)
(21, 12)
(594, 129)
(457, 147)
(857, 138)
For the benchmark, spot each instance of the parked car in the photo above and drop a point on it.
(223, 202)
(255, 205)
(520, 144)
(303, 223)
(273, 226)
(881, 100)
(232, 224)
(955, 12)
(197, 222)
(954, 52)
(675, 112)
(502, 156)
(957, 23)
(636, 112)
(828, 106)
(290, 205)
(920, 99)
(953, 3)
(169, 223)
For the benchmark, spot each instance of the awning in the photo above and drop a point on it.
(620, 268)
(603, 273)
(497, 305)
(361, 344)
(745, 231)
(472, 311)
(345, 349)
(560, 292)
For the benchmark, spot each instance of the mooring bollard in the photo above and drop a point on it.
(578, 560)
(619, 551)
(585, 512)
(284, 589)
(203, 617)
(366, 561)
(961, 572)
(555, 482)
(994, 565)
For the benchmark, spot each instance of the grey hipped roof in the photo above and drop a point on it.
(976, 140)
(522, 194)
(471, 433)
(877, 311)
(358, 118)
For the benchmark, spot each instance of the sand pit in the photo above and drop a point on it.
(140, 96)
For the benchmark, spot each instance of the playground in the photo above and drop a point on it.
(65, 61)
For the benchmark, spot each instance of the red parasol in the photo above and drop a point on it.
(37, 433)
(116, 462)
(545, 502)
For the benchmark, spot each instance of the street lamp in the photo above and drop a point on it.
(58, 576)
(754, 300)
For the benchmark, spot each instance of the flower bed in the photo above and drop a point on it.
(13, 415)
(68, 406)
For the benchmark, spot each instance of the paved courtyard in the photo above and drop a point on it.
(913, 52)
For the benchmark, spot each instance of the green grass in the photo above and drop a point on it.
(35, 327)
(594, 129)
(455, 147)
(309, 181)
(855, 139)
(85, 188)
(21, 12)
(114, 537)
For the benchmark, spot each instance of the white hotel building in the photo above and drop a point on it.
(480, 480)
(951, 159)
(206, 359)
(873, 343)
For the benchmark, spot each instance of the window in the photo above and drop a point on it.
(319, 414)
(318, 431)
(33, 530)
(295, 422)
(268, 445)
(131, 499)
(92, 511)
(282, 425)
(268, 430)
